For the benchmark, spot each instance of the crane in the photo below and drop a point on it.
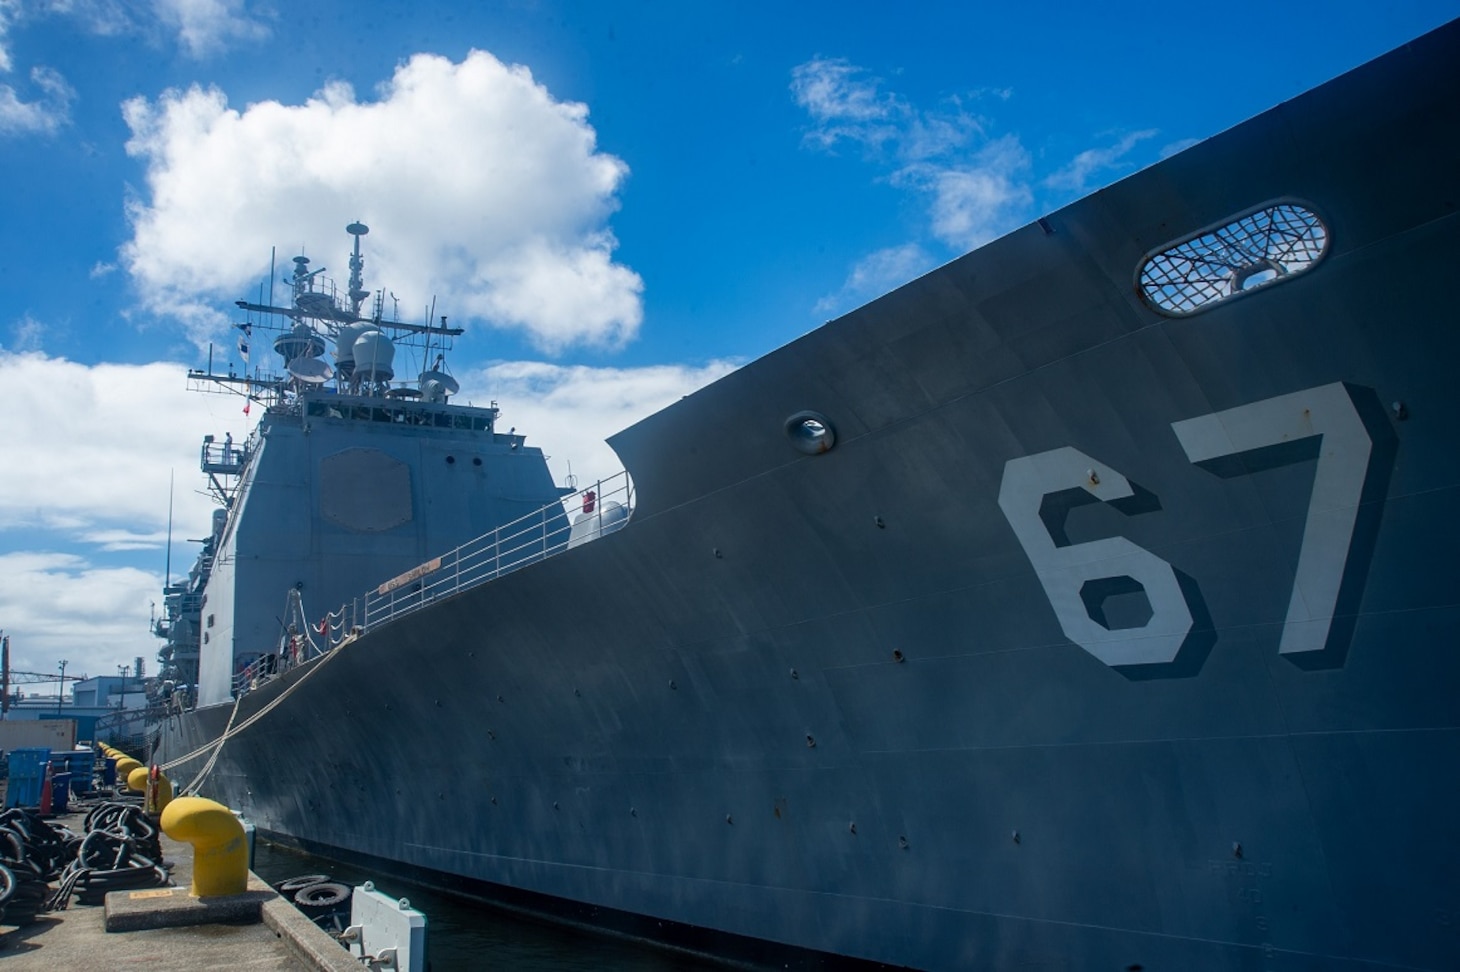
(8, 677)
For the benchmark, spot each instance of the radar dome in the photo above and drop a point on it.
(374, 354)
(345, 347)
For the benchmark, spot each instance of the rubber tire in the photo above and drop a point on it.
(321, 896)
(294, 884)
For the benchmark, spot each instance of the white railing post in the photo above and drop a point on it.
(379, 607)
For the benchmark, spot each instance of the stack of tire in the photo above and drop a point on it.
(326, 902)
(32, 854)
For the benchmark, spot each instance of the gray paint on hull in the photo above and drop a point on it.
(584, 727)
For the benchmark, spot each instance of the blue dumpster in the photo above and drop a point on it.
(109, 772)
(60, 791)
(81, 764)
(27, 771)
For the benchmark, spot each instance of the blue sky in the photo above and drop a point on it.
(620, 202)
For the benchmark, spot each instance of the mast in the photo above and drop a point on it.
(167, 560)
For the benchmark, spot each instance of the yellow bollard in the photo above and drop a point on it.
(125, 766)
(137, 780)
(159, 791)
(220, 854)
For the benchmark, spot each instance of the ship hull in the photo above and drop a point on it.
(839, 703)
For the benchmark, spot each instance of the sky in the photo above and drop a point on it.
(620, 202)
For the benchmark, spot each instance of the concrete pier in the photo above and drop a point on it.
(164, 929)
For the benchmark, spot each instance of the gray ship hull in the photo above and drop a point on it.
(840, 703)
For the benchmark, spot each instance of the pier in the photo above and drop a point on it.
(165, 929)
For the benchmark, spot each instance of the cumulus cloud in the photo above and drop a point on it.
(876, 274)
(59, 605)
(568, 411)
(1104, 162)
(99, 442)
(111, 434)
(50, 109)
(479, 188)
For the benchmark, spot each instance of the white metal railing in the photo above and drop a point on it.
(574, 519)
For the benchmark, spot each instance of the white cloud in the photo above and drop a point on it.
(478, 187)
(113, 541)
(99, 444)
(1077, 175)
(568, 411)
(206, 26)
(26, 334)
(1180, 145)
(844, 103)
(977, 201)
(976, 186)
(59, 605)
(9, 11)
(43, 116)
(876, 274)
(201, 27)
(103, 18)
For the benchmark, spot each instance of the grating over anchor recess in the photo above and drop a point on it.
(1267, 245)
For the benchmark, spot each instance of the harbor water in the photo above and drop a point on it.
(461, 934)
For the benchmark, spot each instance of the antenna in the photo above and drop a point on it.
(167, 581)
(357, 263)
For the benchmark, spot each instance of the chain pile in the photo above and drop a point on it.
(32, 854)
(120, 852)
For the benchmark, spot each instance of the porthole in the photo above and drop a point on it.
(811, 433)
(1262, 247)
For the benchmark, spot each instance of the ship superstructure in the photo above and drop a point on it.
(352, 475)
